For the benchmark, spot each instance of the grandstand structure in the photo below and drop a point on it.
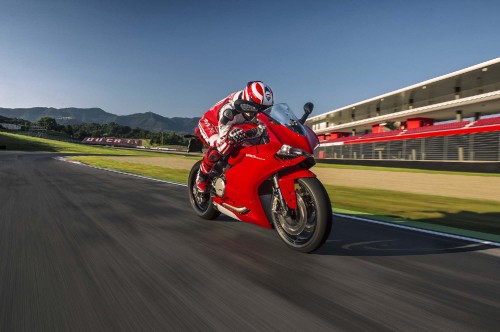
(454, 117)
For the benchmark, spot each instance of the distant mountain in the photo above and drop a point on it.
(154, 122)
(149, 121)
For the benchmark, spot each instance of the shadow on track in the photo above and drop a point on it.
(354, 238)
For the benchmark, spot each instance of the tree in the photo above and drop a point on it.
(68, 129)
(48, 122)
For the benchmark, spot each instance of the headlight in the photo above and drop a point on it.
(288, 152)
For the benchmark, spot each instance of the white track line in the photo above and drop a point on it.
(453, 236)
(409, 228)
(119, 172)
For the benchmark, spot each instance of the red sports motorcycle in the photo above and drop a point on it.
(266, 179)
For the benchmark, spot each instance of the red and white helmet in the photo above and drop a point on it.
(259, 93)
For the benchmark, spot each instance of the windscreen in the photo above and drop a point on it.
(282, 114)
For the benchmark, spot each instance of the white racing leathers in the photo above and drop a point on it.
(215, 126)
(218, 121)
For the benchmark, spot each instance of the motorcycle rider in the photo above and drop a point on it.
(215, 127)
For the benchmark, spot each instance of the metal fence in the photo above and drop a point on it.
(471, 147)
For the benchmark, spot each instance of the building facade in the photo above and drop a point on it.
(454, 117)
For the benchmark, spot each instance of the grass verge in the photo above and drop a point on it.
(157, 172)
(474, 215)
(403, 170)
(16, 142)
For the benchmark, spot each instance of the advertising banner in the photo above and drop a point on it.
(112, 141)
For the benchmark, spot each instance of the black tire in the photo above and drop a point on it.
(205, 210)
(312, 203)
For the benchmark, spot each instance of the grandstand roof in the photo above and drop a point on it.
(470, 90)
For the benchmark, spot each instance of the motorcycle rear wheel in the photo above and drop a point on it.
(309, 226)
(201, 203)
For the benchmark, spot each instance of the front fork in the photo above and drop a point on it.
(279, 195)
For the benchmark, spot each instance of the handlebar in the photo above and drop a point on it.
(253, 133)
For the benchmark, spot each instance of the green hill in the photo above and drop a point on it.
(148, 121)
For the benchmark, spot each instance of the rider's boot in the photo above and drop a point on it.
(202, 181)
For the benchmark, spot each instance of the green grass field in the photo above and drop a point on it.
(475, 215)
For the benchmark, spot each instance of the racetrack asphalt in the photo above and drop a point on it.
(87, 250)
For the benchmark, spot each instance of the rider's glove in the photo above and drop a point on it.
(237, 135)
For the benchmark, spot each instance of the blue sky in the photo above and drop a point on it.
(177, 58)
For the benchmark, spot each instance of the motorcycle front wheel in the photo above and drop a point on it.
(201, 203)
(308, 227)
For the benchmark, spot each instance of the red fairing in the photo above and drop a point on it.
(287, 185)
(256, 164)
(287, 136)
(251, 166)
